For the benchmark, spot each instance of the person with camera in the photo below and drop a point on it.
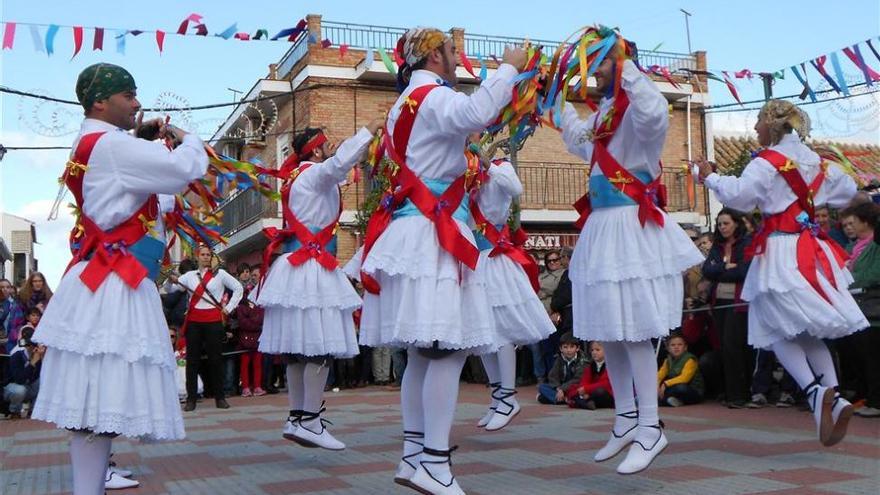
(25, 362)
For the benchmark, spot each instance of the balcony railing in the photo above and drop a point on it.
(244, 209)
(364, 36)
(559, 185)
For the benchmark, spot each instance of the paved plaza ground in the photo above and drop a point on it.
(547, 450)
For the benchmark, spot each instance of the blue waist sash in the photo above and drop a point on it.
(604, 194)
(437, 187)
(149, 252)
(483, 243)
(293, 244)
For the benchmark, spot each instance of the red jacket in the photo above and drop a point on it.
(592, 380)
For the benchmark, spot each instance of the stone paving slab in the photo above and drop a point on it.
(547, 449)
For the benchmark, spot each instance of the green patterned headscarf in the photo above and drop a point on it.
(100, 81)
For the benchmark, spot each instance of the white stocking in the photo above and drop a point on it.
(439, 397)
(411, 407)
(620, 375)
(314, 381)
(643, 363)
(819, 358)
(507, 365)
(493, 372)
(295, 389)
(89, 456)
(794, 359)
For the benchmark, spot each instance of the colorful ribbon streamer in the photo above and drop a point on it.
(98, 43)
(389, 65)
(37, 38)
(77, 40)
(50, 39)
(838, 72)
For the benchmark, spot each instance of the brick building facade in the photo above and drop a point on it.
(340, 90)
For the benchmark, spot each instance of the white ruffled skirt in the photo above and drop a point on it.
(782, 304)
(517, 313)
(308, 311)
(110, 367)
(627, 280)
(427, 296)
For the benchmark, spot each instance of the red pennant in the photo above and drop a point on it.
(297, 30)
(160, 40)
(98, 44)
(9, 35)
(201, 30)
(326, 43)
(343, 49)
(77, 40)
(242, 36)
(196, 18)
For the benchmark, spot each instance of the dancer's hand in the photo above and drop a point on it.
(661, 390)
(375, 125)
(515, 56)
(706, 168)
(149, 130)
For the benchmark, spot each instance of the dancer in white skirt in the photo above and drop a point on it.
(419, 254)
(511, 277)
(109, 368)
(626, 270)
(308, 300)
(797, 284)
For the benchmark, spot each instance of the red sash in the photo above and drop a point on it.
(312, 244)
(107, 248)
(507, 243)
(405, 184)
(651, 197)
(810, 255)
(195, 315)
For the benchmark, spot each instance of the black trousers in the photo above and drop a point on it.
(736, 355)
(600, 397)
(207, 339)
(869, 347)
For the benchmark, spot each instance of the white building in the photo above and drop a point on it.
(17, 238)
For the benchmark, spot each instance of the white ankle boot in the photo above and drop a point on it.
(310, 432)
(291, 425)
(426, 482)
(841, 412)
(407, 466)
(649, 441)
(506, 410)
(113, 481)
(622, 434)
(820, 400)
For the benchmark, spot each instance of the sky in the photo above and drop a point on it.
(758, 35)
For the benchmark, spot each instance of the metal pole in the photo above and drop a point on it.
(687, 27)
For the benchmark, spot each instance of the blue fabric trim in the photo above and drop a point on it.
(293, 244)
(482, 242)
(604, 194)
(149, 252)
(437, 187)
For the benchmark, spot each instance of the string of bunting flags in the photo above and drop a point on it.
(192, 25)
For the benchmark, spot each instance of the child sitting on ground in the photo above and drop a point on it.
(564, 379)
(679, 379)
(595, 387)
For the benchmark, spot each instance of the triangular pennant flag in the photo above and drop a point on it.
(466, 63)
(201, 30)
(136, 32)
(228, 32)
(37, 38)
(326, 43)
(98, 44)
(160, 40)
(242, 36)
(731, 87)
(838, 72)
(77, 40)
(50, 39)
(9, 35)
(120, 42)
(343, 49)
(300, 27)
(194, 18)
(260, 34)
